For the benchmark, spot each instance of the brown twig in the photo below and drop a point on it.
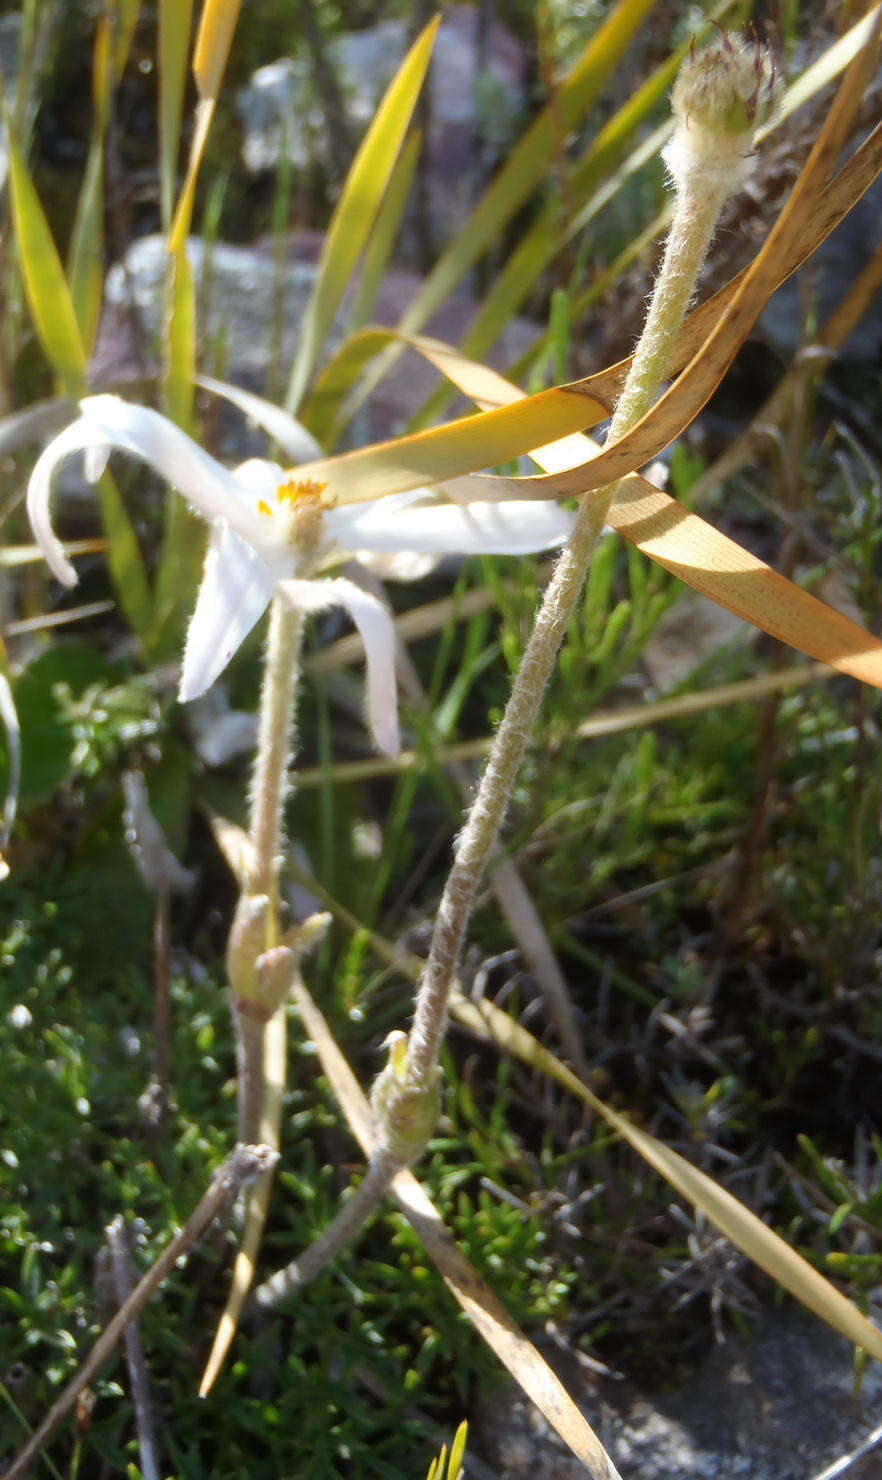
(121, 1264)
(242, 1166)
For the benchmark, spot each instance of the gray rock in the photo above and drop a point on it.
(779, 1405)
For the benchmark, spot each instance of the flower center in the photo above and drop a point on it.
(295, 515)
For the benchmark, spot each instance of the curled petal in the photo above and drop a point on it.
(508, 528)
(378, 635)
(9, 716)
(235, 591)
(290, 434)
(108, 422)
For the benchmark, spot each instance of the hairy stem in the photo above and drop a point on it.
(695, 215)
(269, 789)
(696, 210)
(274, 741)
(352, 1215)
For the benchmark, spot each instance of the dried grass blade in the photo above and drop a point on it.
(725, 1212)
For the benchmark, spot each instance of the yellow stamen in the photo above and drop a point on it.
(264, 508)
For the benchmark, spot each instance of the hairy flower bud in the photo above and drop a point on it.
(722, 95)
(246, 944)
(405, 1112)
(730, 86)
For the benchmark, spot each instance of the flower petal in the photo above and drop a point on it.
(508, 528)
(374, 622)
(291, 436)
(235, 591)
(108, 422)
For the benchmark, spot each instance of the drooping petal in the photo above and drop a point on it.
(378, 635)
(235, 592)
(108, 422)
(9, 716)
(290, 434)
(508, 528)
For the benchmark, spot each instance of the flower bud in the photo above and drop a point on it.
(405, 1112)
(722, 95)
(247, 942)
(729, 87)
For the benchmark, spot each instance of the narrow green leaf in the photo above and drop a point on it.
(124, 560)
(85, 268)
(126, 20)
(46, 290)
(385, 233)
(525, 168)
(356, 212)
(175, 19)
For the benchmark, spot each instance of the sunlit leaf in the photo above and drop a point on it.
(48, 295)
(357, 208)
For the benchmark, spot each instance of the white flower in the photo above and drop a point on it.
(271, 533)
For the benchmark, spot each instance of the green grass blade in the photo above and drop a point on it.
(175, 20)
(525, 168)
(124, 560)
(385, 233)
(125, 22)
(45, 285)
(354, 218)
(528, 163)
(85, 268)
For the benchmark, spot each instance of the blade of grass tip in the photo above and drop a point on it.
(353, 220)
(216, 26)
(175, 21)
(457, 1451)
(45, 286)
(487, 1314)
(9, 715)
(743, 1228)
(524, 169)
(126, 21)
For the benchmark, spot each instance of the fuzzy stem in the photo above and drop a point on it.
(270, 785)
(695, 215)
(274, 741)
(349, 1220)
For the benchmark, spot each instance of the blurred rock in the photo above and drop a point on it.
(690, 631)
(249, 315)
(777, 1406)
(282, 111)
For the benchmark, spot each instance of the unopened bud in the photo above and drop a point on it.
(405, 1112)
(731, 86)
(247, 942)
(722, 95)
